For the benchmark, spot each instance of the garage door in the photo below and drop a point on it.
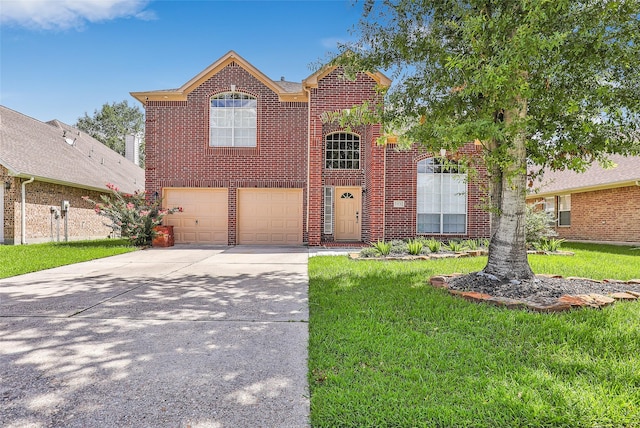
(270, 216)
(204, 218)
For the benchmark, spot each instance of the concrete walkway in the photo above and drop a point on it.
(179, 337)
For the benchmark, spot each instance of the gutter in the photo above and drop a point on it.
(308, 91)
(591, 188)
(23, 214)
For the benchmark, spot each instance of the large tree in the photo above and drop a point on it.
(112, 123)
(538, 83)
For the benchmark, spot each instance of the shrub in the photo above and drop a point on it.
(368, 252)
(455, 246)
(551, 245)
(414, 247)
(383, 248)
(433, 245)
(398, 247)
(471, 244)
(539, 225)
(133, 216)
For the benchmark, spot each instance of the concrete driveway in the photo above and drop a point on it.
(177, 337)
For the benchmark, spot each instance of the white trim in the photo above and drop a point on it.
(327, 199)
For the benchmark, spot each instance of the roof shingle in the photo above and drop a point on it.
(29, 147)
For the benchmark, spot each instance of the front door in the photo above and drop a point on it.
(348, 213)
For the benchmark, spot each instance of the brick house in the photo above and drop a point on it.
(252, 161)
(44, 164)
(598, 205)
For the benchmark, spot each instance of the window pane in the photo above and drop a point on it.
(344, 147)
(453, 223)
(233, 120)
(428, 223)
(441, 197)
(564, 218)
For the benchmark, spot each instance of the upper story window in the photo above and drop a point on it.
(441, 197)
(233, 117)
(342, 151)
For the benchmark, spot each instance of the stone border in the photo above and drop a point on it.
(564, 302)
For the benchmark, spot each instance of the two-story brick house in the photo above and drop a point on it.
(252, 161)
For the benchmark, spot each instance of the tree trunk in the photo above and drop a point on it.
(508, 250)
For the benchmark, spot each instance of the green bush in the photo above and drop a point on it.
(369, 252)
(539, 225)
(455, 246)
(383, 248)
(550, 245)
(433, 245)
(414, 247)
(133, 216)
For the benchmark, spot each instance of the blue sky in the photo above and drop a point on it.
(62, 58)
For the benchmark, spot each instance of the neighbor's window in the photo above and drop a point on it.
(550, 206)
(564, 210)
(342, 151)
(233, 120)
(442, 197)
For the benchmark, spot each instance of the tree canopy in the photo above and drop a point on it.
(112, 123)
(537, 83)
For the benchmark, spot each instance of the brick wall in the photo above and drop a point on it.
(401, 185)
(334, 92)
(605, 215)
(82, 221)
(178, 152)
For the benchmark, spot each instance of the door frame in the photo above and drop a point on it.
(357, 193)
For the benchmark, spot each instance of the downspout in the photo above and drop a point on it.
(308, 91)
(23, 214)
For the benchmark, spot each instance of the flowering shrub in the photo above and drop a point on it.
(134, 216)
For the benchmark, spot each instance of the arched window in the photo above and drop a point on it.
(233, 117)
(442, 197)
(342, 151)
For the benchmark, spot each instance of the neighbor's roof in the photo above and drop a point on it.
(626, 172)
(287, 91)
(58, 153)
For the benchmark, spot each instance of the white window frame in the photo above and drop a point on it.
(340, 155)
(444, 176)
(564, 206)
(233, 118)
(328, 210)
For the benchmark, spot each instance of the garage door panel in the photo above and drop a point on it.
(204, 216)
(270, 216)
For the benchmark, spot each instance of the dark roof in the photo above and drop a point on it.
(293, 87)
(59, 153)
(625, 172)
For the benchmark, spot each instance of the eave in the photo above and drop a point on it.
(183, 92)
(583, 189)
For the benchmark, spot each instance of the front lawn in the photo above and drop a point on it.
(387, 350)
(20, 259)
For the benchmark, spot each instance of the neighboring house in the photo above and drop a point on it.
(597, 205)
(252, 161)
(44, 164)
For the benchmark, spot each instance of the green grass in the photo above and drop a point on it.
(20, 259)
(387, 350)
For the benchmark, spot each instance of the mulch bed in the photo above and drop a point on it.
(544, 293)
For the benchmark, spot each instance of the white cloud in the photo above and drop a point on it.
(65, 14)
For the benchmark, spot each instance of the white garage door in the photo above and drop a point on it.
(270, 216)
(204, 219)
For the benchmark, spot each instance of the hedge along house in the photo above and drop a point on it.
(601, 204)
(45, 170)
(252, 161)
